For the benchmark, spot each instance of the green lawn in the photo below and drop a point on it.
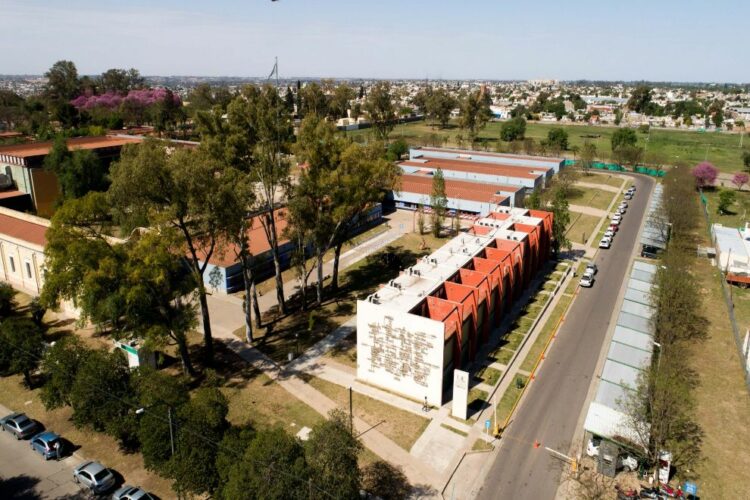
(581, 227)
(489, 375)
(606, 179)
(672, 146)
(509, 399)
(589, 197)
(738, 213)
(546, 331)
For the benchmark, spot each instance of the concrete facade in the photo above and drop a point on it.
(415, 330)
(22, 240)
(556, 164)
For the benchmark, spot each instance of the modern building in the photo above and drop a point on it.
(629, 354)
(24, 181)
(416, 329)
(463, 197)
(732, 251)
(22, 240)
(473, 171)
(539, 162)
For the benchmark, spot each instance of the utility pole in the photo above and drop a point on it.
(351, 414)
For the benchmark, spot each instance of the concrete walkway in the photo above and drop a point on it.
(596, 212)
(603, 187)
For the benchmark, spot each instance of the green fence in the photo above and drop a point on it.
(614, 167)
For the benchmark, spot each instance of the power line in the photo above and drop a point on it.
(218, 445)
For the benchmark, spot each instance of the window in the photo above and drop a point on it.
(12, 264)
(28, 269)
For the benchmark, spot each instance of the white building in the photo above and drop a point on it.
(22, 240)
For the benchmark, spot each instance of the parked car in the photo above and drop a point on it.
(615, 222)
(19, 425)
(626, 462)
(605, 243)
(621, 210)
(616, 219)
(614, 227)
(128, 492)
(624, 204)
(94, 476)
(609, 234)
(591, 268)
(628, 196)
(587, 280)
(48, 444)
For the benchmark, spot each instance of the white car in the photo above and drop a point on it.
(605, 243)
(615, 222)
(622, 210)
(591, 269)
(623, 204)
(609, 234)
(587, 280)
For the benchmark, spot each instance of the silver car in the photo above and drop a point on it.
(128, 492)
(94, 476)
(19, 425)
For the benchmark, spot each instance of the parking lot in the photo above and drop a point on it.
(26, 475)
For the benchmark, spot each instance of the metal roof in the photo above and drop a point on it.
(633, 338)
(656, 230)
(631, 356)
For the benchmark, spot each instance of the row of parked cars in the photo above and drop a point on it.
(616, 219)
(91, 475)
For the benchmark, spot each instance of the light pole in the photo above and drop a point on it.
(141, 411)
(658, 361)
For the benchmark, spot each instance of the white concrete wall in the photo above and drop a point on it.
(21, 265)
(400, 352)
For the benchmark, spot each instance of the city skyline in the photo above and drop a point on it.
(672, 41)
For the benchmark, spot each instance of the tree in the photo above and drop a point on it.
(513, 129)
(313, 100)
(331, 453)
(60, 366)
(746, 159)
(534, 200)
(628, 155)
(181, 190)
(560, 220)
(438, 202)
(475, 113)
(21, 347)
(623, 137)
(439, 105)
(200, 424)
(420, 219)
(255, 139)
(339, 105)
(62, 81)
(740, 179)
(726, 200)
(7, 300)
(397, 149)
(157, 393)
(640, 99)
(381, 110)
(705, 174)
(121, 80)
(386, 481)
(558, 138)
(588, 155)
(272, 467)
(100, 387)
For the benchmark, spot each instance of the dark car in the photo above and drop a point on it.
(20, 425)
(94, 476)
(128, 492)
(48, 444)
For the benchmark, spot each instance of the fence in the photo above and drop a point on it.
(738, 341)
(614, 167)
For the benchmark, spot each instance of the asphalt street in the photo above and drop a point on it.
(24, 474)
(548, 414)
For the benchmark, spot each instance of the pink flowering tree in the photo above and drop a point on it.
(705, 174)
(740, 179)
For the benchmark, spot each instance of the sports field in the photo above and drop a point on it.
(671, 147)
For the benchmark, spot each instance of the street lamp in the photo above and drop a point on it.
(658, 361)
(141, 411)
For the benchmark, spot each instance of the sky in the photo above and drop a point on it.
(656, 40)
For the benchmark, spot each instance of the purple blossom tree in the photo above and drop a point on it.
(705, 174)
(740, 179)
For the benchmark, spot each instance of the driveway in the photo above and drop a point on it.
(26, 475)
(548, 415)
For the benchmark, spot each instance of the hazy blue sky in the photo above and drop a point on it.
(502, 39)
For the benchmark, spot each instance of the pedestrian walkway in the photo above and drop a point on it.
(603, 187)
(596, 212)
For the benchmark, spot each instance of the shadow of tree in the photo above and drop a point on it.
(19, 488)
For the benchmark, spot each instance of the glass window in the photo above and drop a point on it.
(12, 264)
(28, 269)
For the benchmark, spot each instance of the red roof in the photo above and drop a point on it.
(476, 167)
(33, 149)
(23, 230)
(463, 190)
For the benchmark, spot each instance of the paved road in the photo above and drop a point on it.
(25, 474)
(551, 408)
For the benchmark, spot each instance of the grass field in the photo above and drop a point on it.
(671, 146)
(402, 427)
(589, 197)
(581, 227)
(509, 398)
(722, 401)
(605, 179)
(737, 214)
